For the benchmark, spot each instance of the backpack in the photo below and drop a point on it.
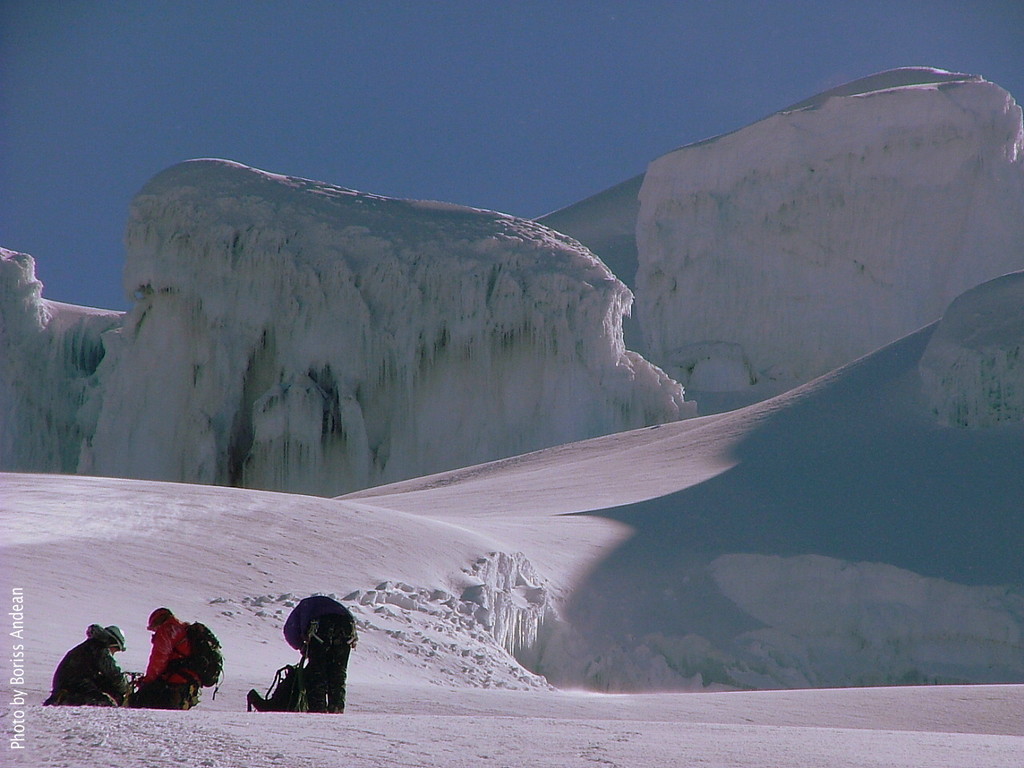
(206, 659)
(287, 692)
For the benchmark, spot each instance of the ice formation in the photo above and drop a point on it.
(293, 335)
(49, 353)
(973, 368)
(606, 224)
(829, 229)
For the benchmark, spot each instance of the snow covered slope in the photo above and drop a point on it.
(840, 534)
(792, 246)
(289, 334)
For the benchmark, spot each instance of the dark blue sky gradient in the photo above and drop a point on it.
(523, 107)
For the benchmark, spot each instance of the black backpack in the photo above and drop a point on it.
(206, 659)
(287, 693)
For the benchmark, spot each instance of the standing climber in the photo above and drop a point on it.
(325, 631)
(88, 674)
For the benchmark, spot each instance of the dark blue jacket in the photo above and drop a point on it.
(297, 624)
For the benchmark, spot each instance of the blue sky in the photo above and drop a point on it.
(522, 107)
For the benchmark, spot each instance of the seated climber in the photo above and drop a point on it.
(167, 683)
(88, 675)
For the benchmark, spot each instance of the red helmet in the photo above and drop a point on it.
(158, 617)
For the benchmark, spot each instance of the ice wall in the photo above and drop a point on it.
(293, 335)
(823, 232)
(972, 371)
(49, 353)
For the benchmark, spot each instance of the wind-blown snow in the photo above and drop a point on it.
(289, 334)
(825, 231)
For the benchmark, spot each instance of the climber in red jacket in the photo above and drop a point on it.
(167, 685)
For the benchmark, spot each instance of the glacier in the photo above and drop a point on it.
(293, 335)
(787, 248)
(861, 529)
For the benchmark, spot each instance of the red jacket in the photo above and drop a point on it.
(169, 644)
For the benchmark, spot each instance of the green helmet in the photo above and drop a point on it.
(110, 636)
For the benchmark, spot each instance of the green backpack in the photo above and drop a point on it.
(206, 660)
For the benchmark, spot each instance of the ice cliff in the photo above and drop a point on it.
(821, 233)
(49, 354)
(292, 335)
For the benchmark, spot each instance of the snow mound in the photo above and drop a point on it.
(289, 334)
(828, 230)
(973, 369)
